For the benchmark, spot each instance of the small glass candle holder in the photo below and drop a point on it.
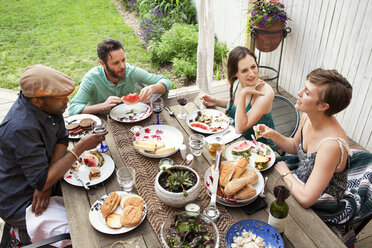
(165, 163)
(193, 209)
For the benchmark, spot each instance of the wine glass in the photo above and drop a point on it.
(100, 128)
(182, 100)
(157, 106)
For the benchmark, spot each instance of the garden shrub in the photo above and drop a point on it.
(158, 16)
(179, 46)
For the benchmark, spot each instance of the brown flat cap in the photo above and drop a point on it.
(41, 80)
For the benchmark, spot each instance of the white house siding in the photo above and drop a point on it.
(332, 34)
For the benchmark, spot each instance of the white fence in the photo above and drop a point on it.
(325, 33)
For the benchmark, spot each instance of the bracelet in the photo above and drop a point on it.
(286, 173)
(73, 153)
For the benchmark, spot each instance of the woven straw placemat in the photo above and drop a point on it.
(146, 171)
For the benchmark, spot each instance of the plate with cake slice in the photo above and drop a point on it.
(117, 212)
(92, 168)
(80, 125)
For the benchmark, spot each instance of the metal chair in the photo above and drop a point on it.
(286, 118)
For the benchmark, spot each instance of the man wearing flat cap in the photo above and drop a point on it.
(33, 145)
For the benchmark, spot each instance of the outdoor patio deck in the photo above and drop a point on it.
(219, 89)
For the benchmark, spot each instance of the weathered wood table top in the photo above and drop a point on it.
(304, 228)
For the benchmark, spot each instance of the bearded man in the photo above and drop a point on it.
(102, 87)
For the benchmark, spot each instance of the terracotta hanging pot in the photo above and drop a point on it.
(268, 42)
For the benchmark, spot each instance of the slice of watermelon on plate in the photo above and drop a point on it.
(132, 98)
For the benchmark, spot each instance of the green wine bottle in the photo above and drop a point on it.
(279, 209)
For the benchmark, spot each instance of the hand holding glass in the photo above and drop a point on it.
(126, 177)
(157, 106)
(182, 99)
(100, 128)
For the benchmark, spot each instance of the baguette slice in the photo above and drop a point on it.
(226, 172)
(240, 166)
(131, 216)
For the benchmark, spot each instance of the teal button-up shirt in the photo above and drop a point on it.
(96, 88)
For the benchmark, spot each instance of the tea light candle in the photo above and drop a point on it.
(192, 207)
(165, 163)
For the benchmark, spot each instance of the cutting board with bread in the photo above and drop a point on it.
(239, 183)
(118, 212)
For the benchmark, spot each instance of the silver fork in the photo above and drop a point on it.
(76, 176)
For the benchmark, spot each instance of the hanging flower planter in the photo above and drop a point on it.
(266, 24)
(268, 39)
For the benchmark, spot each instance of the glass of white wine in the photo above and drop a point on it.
(100, 128)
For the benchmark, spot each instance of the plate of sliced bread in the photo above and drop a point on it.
(239, 183)
(118, 212)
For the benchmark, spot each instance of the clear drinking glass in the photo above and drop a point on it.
(196, 143)
(100, 128)
(182, 98)
(126, 177)
(157, 106)
(216, 144)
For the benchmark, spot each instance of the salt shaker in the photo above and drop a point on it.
(189, 159)
(183, 151)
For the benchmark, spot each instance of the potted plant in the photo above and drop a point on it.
(177, 185)
(270, 16)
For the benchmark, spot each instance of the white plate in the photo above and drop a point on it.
(130, 113)
(229, 202)
(83, 172)
(77, 119)
(99, 222)
(266, 151)
(220, 121)
(170, 136)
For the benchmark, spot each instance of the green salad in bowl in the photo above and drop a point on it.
(188, 231)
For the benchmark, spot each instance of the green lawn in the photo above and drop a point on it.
(62, 34)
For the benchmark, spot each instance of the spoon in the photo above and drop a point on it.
(262, 194)
(169, 111)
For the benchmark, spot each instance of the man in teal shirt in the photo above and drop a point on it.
(102, 87)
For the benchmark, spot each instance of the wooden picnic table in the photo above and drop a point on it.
(304, 228)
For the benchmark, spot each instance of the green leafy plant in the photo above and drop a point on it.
(179, 46)
(266, 12)
(179, 180)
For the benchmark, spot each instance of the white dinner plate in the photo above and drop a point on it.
(130, 113)
(99, 222)
(265, 149)
(229, 202)
(77, 119)
(83, 172)
(220, 121)
(170, 136)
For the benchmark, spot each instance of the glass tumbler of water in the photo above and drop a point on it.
(126, 177)
(196, 143)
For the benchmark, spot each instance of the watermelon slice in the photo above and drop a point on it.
(131, 98)
(93, 159)
(242, 149)
(199, 125)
